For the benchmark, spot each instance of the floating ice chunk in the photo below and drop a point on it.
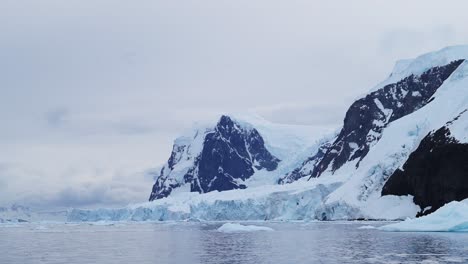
(102, 223)
(367, 227)
(452, 217)
(238, 228)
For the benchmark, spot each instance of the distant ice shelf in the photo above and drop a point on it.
(302, 200)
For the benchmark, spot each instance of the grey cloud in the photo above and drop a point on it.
(416, 40)
(105, 187)
(85, 196)
(327, 115)
(114, 192)
(57, 117)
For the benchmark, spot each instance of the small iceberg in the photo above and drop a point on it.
(238, 228)
(452, 217)
(102, 223)
(366, 227)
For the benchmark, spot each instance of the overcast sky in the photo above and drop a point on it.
(93, 92)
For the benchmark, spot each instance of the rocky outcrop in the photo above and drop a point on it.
(435, 173)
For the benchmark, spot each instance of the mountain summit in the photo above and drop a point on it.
(215, 159)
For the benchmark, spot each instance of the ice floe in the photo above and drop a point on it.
(238, 228)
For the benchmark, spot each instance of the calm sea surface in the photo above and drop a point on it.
(315, 242)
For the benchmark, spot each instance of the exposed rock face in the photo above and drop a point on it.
(435, 173)
(230, 154)
(367, 117)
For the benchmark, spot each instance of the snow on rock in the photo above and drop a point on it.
(453, 217)
(368, 117)
(306, 168)
(218, 158)
(420, 64)
(238, 228)
(234, 153)
(409, 89)
(362, 186)
(435, 173)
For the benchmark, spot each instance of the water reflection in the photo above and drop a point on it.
(330, 243)
(201, 243)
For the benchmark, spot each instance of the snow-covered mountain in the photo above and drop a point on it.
(219, 158)
(365, 178)
(399, 153)
(367, 118)
(232, 154)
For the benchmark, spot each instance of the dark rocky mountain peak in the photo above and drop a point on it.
(230, 154)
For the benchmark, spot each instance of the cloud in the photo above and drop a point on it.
(416, 40)
(57, 117)
(72, 187)
(326, 115)
(94, 194)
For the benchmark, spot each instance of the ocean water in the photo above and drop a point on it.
(175, 242)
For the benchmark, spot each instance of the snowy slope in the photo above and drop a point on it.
(417, 66)
(368, 117)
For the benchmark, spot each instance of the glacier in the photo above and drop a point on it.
(297, 201)
(301, 200)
